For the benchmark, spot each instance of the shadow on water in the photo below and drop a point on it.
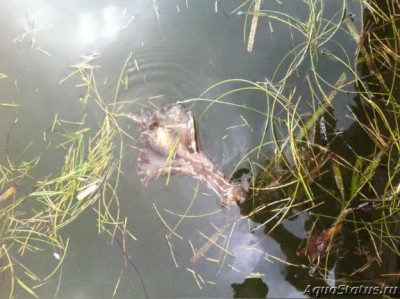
(250, 288)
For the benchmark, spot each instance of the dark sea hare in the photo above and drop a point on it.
(170, 147)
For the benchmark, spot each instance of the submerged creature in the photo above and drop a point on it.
(10, 191)
(319, 244)
(168, 136)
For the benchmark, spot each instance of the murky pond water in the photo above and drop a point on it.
(178, 50)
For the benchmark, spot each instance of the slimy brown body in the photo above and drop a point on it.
(168, 136)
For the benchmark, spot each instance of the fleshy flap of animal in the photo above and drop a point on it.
(170, 147)
(168, 135)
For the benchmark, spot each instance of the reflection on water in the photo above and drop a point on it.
(250, 288)
(179, 50)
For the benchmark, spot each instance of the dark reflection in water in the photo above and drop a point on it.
(380, 78)
(250, 288)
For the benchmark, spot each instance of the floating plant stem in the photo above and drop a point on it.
(253, 27)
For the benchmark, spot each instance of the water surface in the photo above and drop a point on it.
(182, 48)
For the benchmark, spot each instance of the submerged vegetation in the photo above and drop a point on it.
(344, 182)
(33, 222)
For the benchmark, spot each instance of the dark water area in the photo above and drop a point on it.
(178, 50)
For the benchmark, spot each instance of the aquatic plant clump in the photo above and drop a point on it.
(56, 202)
(34, 222)
(348, 180)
